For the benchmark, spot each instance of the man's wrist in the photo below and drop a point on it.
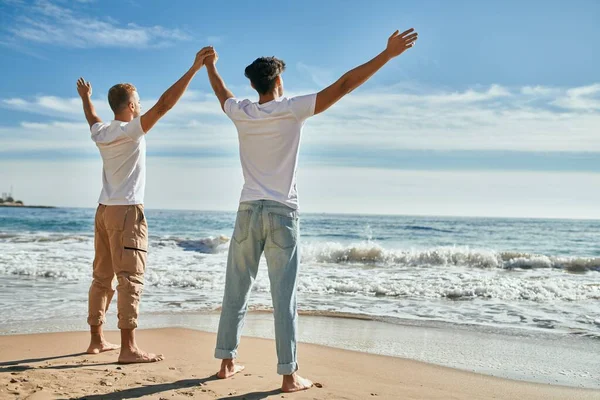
(385, 53)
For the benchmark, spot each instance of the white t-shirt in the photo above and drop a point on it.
(123, 149)
(269, 136)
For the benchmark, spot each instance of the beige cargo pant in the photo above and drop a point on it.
(121, 246)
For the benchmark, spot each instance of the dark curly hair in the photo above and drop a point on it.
(262, 73)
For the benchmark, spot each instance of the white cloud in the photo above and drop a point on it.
(15, 102)
(192, 105)
(48, 23)
(584, 90)
(491, 118)
(54, 107)
(72, 139)
(53, 103)
(538, 90)
(54, 124)
(586, 98)
(495, 118)
(470, 96)
(33, 137)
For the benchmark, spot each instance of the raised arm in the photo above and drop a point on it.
(85, 92)
(397, 44)
(216, 81)
(174, 93)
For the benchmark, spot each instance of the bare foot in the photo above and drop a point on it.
(229, 369)
(295, 383)
(135, 356)
(101, 346)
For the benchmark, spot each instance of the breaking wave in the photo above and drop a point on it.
(374, 254)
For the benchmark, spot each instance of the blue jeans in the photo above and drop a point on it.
(272, 227)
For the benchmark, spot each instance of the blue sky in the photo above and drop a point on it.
(495, 93)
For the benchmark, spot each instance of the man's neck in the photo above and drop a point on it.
(123, 117)
(265, 98)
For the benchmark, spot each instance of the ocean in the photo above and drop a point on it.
(526, 274)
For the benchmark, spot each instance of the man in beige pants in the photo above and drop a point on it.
(121, 231)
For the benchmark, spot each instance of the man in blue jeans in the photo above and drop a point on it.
(267, 220)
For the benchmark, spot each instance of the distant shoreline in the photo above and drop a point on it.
(20, 206)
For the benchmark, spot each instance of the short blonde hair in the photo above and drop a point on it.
(119, 96)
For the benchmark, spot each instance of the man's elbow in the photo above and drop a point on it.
(344, 88)
(164, 105)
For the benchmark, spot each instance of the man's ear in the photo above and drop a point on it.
(131, 106)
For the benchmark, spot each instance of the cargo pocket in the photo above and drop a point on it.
(284, 230)
(135, 241)
(135, 251)
(242, 225)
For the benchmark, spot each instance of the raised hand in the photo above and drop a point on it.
(398, 43)
(84, 88)
(201, 56)
(212, 59)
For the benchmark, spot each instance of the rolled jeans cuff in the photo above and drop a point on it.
(222, 354)
(287, 369)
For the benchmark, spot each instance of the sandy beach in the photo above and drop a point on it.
(51, 366)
